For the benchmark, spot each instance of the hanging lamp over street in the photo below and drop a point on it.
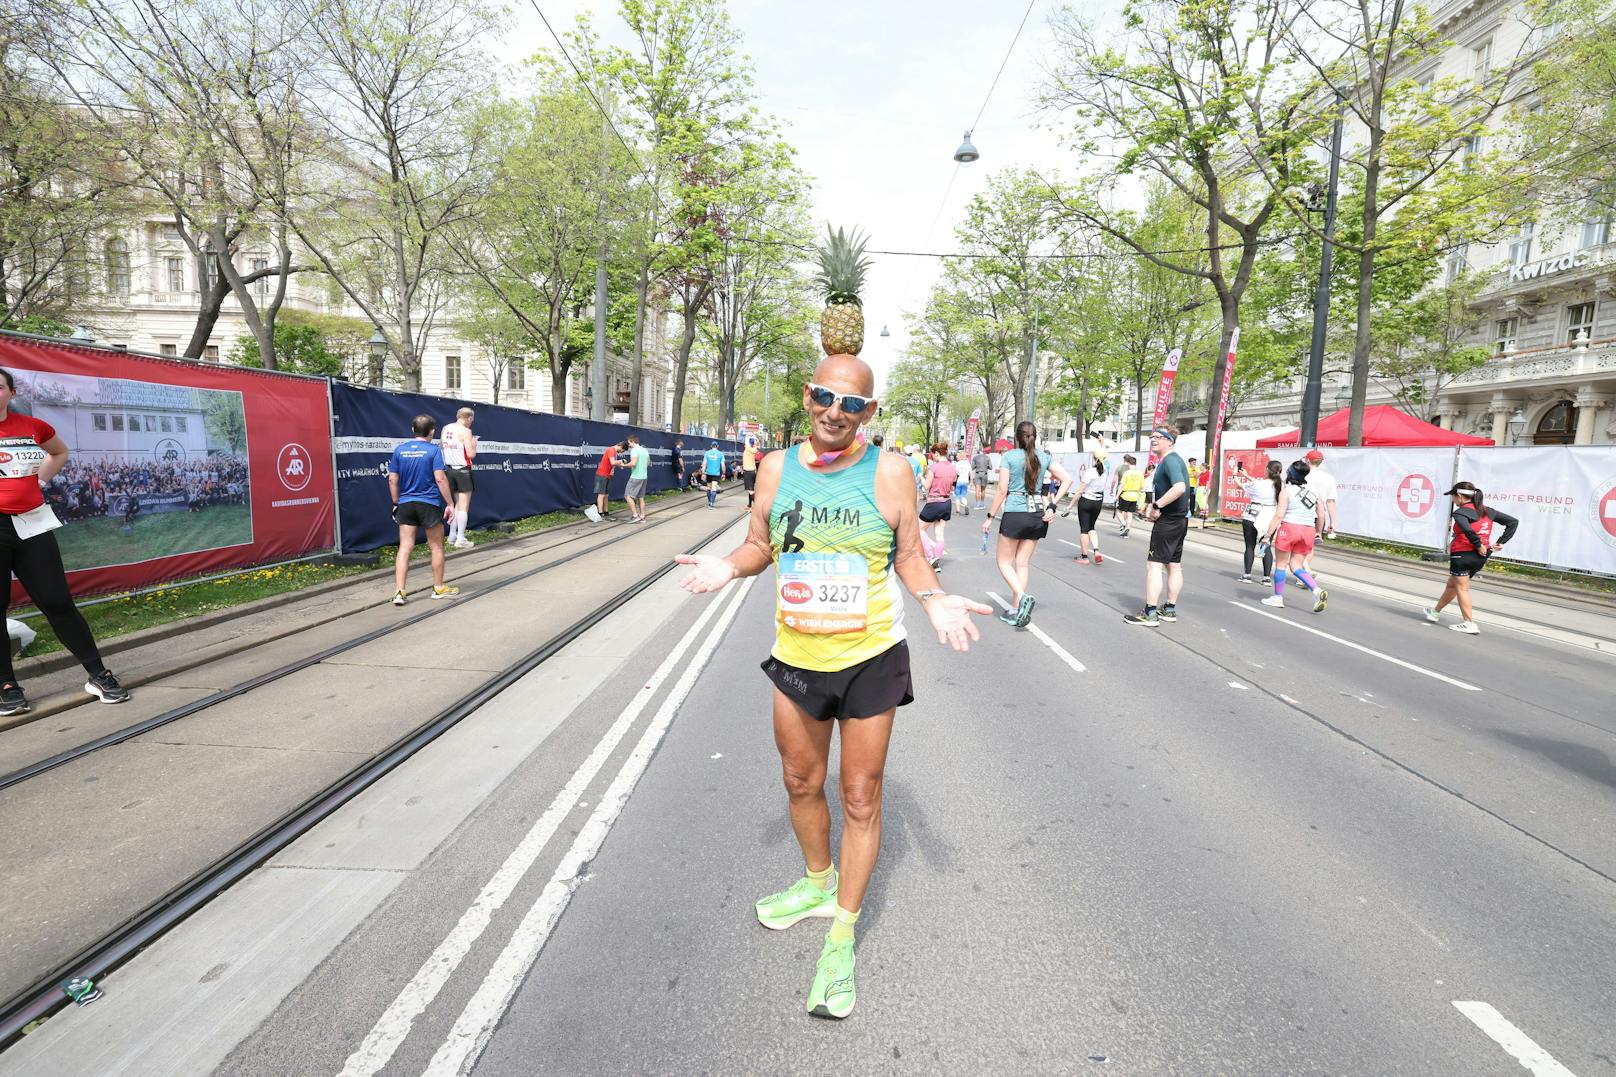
(966, 154)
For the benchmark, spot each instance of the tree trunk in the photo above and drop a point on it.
(642, 287)
(687, 340)
(212, 293)
(558, 391)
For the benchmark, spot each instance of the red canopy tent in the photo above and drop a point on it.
(1382, 425)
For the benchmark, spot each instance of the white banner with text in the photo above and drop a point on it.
(1391, 494)
(1564, 496)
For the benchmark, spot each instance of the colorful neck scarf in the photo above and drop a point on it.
(825, 459)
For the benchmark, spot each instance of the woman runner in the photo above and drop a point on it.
(938, 508)
(1264, 495)
(1022, 473)
(1130, 495)
(1292, 532)
(961, 487)
(1472, 544)
(31, 454)
(1090, 502)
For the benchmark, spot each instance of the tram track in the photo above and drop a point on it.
(187, 710)
(114, 947)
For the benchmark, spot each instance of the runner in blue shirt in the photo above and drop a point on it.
(420, 493)
(712, 462)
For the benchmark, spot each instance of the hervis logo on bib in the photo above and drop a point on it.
(796, 592)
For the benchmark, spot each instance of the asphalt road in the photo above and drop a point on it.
(1255, 841)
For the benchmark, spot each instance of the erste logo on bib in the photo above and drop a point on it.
(294, 466)
(1415, 496)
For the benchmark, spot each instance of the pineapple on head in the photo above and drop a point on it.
(842, 266)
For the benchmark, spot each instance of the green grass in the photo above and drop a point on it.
(131, 613)
(100, 540)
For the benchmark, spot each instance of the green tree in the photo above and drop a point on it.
(1421, 345)
(224, 420)
(300, 348)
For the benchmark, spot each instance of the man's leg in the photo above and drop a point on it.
(434, 540)
(462, 510)
(864, 760)
(1153, 582)
(1175, 582)
(401, 562)
(804, 745)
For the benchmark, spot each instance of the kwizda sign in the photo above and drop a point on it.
(1547, 267)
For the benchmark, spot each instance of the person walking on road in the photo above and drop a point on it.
(678, 453)
(421, 498)
(713, 466)
(639, 464)
(32, 453)
(1091, 487)
(749, 465)
(840, 663)
(939, 505)
(1263, 496)
(962, 471)
(1027, 516)
(981, 466)
(1292, 532)
(1130, 494)
(1171, 501)
(1322, 483)
(1468, 551)
(459, 447)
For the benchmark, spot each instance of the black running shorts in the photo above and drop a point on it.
(749, 480)
(872, 687)
(932, 511)
(1088, 513)
(1468, 563)
(1167, 539)
(459, 480)
(418, 514)
(1023, 525)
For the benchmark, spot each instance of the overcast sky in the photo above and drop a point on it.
(875, 97)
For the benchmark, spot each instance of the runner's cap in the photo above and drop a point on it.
(1466, 488)
(1313, 456)
(1165, 432)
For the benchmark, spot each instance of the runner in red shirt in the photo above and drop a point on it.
(31, 454)
(603, 474)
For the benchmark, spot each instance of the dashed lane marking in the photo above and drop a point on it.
(1356, 646)
(475, 1026)
(400, 1016)
(1038, 633)
(1520, 1046)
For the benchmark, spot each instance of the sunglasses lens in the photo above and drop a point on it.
(823, 397)
(854, 405)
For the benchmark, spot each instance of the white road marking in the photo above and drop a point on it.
(396, 1021)
(1038, 633)
(1356, 646)
(1519, 1045)
(1079, 546)
(1237, 684)
(475, 1025)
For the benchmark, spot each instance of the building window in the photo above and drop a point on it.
(260, 286)
(179, 424)
(1558, 425)
(1507, 328)
(98, 420)
(169, 349)
(1458, 259)
(212, 265)
(451, 371)
(151, 424)
(117, 421)
(176, 274)
(209, 354)
(1596, 229)
(1481, 60)
(167, 424)
(1581, 322)
(516, 375)
(118, 276)
(1520, 248)
(1472, 151)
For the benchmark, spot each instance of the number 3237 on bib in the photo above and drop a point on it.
(823, 593)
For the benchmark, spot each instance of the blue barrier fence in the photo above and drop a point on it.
(527, 462)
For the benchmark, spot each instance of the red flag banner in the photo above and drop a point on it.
(971, 432)
(1164, 390)
(175, 468)
(1217, 424)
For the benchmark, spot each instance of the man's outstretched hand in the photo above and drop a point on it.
(707, 573)
(951, 617)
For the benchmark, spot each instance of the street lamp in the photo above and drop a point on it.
(966, 154)
(376, 346)
(1516, 426)
(885, 331)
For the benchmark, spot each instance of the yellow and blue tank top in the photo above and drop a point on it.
(836, 595)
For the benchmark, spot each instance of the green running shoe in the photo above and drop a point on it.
(832, 994)
(780, 911)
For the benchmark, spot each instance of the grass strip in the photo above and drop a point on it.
(179, 600)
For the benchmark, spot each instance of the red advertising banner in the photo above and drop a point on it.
(175, 468)
(1164, 390)
(1254, 464)
(971, 432)
(1217, 423)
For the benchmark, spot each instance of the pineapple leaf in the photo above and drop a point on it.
(842, 265)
